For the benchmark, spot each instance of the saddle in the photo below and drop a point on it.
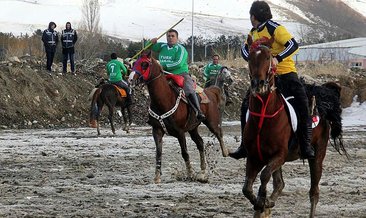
(121, 91)
(177, 83)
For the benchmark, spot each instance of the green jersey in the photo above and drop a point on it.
(115, 70)
(211, 70)
(172, 59)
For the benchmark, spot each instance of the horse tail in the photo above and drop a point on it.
(333, 115)
(94, 110)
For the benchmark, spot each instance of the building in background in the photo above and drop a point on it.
(351, 52)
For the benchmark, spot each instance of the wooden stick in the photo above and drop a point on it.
(161, 35)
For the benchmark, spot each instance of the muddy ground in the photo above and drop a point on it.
(74, 173)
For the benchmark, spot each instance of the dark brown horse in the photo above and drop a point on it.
(268, 135)
(169, 114)
(107, 94)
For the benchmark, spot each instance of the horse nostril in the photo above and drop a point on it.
(254, 83)
(261, 83)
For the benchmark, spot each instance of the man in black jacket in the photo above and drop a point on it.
(50, 40)
(68, 40)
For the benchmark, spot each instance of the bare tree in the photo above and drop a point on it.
(91, 16)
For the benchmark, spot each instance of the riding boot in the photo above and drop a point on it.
(304, 135)
(241, 152)
(196, 107)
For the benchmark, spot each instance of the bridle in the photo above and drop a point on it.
(268, 87)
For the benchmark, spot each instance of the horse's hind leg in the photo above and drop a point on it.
(158, 138)
(129, 115)
(316, 169)
(201, 177)
(125, 121)
(110, 117)
(278, 185)
(217, 131)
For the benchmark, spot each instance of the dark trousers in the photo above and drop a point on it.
(68, 55)
(50, 55)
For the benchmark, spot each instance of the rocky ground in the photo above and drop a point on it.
(74, 173)
(31, 98)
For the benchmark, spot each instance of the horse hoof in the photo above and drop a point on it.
(157, 180)
(202, 177)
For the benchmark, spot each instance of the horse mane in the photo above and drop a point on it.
(329, 107)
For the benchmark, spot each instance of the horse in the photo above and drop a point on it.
(108, 94)
(170, 114)
(268, 135)
(223, 80)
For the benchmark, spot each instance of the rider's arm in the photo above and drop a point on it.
(283, 37)
(123, 69)
(245, 51)
(206, 72)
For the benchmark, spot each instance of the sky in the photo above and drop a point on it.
(146, 18)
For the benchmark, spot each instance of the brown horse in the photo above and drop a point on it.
(169, 114)
(107, 94)
(268, 135)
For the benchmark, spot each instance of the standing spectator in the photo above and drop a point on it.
(211, 71)
(68, 40)
(50, 40)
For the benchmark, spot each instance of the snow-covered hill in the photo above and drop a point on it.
(145, 18)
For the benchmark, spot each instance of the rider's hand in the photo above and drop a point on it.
(154, 40)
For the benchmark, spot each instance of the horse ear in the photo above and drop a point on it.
(249, 40)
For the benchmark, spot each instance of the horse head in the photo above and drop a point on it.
(260, 65)
(224, 77)
(145, 69)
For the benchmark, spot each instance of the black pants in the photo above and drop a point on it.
(50, 54)
(289, 85)
(68, 55)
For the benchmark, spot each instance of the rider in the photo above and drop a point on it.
(283, 49)
(116, 72)
(173, 58)
(211, 71)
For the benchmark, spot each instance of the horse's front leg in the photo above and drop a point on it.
(266, 174)
(158, 138)
(251, 172)
(129, 115)
(215, 127)
(183, 146)
(202, 176)
(278, 185)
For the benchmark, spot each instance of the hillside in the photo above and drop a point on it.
(212, 18)
(30, 98)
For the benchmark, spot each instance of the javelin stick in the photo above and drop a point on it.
(161, 35)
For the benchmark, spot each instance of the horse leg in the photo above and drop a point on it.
(217, 131)
(251, 172)
(125, 127)
(278, 185)
(266, 173)
(129, 115)
(110, 117)
(316, 169)
(100, 107)
(183, 146)
(158, 138)
(201, 177)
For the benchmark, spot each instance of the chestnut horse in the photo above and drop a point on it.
(169, 114)
(268, 135)
(107, 94)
